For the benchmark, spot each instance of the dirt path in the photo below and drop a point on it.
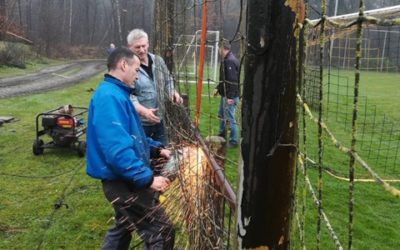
(54, 77)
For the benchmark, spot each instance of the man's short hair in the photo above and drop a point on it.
(224, 43)
(136, 34)
(117, 55)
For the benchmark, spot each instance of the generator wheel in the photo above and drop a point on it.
(37, 147)
(81, 148)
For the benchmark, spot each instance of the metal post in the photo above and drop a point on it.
(383, 52)
(216, 55)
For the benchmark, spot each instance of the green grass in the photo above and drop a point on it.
(32, 66)
(209, 125)
(381, 89)
(378, 131)
(31, 185)
(376, 221)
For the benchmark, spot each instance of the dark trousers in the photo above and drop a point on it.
(137, 210)
(156, 132)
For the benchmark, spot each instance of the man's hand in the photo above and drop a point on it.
(166, 153)
(176, 98)
(160, 184)
(215, 92)
(150, 115)
(230, 101)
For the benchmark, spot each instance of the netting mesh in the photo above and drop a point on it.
(349, 79)
(347, 176)
(347, 64)
(377, 133)
(201, 203)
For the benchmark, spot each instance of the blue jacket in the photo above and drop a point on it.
(117, 147)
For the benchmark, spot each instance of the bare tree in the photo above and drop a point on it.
(45, 24)
(93, 26)
(70, 23)
(3, 15)
(62, 23)
(117, 15)
(29, 15)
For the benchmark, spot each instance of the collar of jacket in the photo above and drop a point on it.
(112, 79)
(153, 56)
(228, 54)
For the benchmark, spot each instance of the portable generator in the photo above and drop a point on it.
(64, 125)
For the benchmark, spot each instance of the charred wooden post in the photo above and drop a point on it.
(269, 125)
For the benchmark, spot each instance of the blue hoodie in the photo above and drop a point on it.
(117, 148)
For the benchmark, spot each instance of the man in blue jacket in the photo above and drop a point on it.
(229, 89)
(118, 153)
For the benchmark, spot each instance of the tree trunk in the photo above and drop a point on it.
(29, 18)
(20, 13)
(118, 19)
(70, 23)
(86, 36)
(156, 38)
(64, 19)
(169, 36)
(269, 125)
(3, 15)
(94, 21)
(45, 25)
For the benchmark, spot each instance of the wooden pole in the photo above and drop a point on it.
(269, 125)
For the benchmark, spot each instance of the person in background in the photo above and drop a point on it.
(229, 89)
(110, 49)
(154, 85)
(118, 153)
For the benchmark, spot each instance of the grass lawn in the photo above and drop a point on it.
(376, 223)
(32, 186)
(31, 66)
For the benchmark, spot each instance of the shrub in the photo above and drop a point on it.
(13, 54)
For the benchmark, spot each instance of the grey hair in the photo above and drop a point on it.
(136, 34)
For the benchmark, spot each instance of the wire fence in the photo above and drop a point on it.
(348, 91)
(347, 121)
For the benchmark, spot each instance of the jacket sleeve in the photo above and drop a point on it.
(134, 99)
(155, 147)
(154, 143)
(165, 76)
(117, 144)
(231, 73)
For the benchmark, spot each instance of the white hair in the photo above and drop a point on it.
(135, 35)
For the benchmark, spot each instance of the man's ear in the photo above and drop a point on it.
(122, 65)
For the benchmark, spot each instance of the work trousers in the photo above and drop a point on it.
(227, 115)
(137, 210)
(157, 132)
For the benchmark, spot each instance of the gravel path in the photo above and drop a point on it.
(54, 77)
